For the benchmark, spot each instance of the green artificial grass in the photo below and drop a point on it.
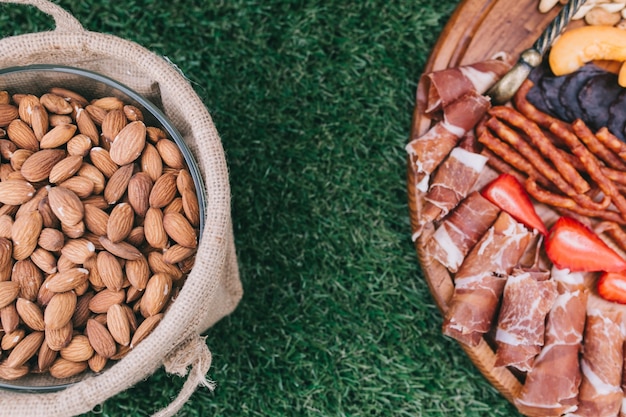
(313, 101)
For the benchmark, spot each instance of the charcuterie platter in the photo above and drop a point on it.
(518, 211)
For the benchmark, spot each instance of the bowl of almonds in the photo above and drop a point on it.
(101, 209)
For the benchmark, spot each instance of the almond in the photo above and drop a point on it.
(113, 123)
(45, 357)
(170, 154)
(63, 368)
(104, 299)
(110, 271)
(177, 253)
(16, 192)
(37, 167)
(44, 260)
(180, 230)
(87, 127)
(25, 234)
(74, 231)
(69, 96)
(57, 339)
(145, 328)
(18, 158)
(59, 119)
(67, 280)
(163, 191)
(138, 272)
(175, 206)
(128, 143)
(155, 134)
(66, 205)
(33, 203)
(6, 223)
(26, 104)
(100, 338)
(6, 259)
(82, 313)
(95, 175)
(25, 349)
(65, 168)
(136, 237)
(47, 215)
(101, 159)
(8, 113)
(11, 339)
(78, 250)
(9, 318)
(78, 350)
(97, 363)
(55, 104)
(118, 324)
(132, 113)
(8, 292)
(156, 294)
(58, 136)
(96, 113)
(79, 145)
(108, 103)
(59, 310)
(22, 135)
(151, 162)
(39, 121)
(139, 188)
(29, 278)
(96, 219)
(158, 264)
(83, 187)
(51, 239)
(154, 231)
(120, 222)
(7, 148)
(30, 313)
(9, 374)
(118, 184)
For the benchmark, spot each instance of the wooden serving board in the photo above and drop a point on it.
(477, 30)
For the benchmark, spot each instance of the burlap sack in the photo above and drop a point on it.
(213, 288)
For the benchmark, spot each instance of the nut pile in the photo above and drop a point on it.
(99, 227)
(594, 12)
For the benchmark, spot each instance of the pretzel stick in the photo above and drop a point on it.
(612, 174)
(612, 142)
(563, 202)
(590, 162)
(598, 148)
(527, 109)
(501, 165)
(615, 232)
(543, 144)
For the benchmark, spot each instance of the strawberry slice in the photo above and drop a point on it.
(612, 286)
(572, 245)
(509, 195)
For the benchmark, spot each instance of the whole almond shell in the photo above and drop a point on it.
(128, 143)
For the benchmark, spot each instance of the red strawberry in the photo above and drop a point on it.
(509, 195)
(612, 286)
(572, 245)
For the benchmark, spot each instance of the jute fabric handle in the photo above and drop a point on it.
(63, 20)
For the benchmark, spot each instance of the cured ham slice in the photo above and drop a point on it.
(428, 151)
(551, 386)
(440, 88)
(527, 299)
(601, 365)
(460, 231)
(480, 280)
(452, 182)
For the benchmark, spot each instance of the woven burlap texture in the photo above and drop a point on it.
(213, 288)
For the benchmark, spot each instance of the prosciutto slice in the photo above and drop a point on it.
(440, 88)
(527, 299)
(601, 365)
(428, 151)
(480, 280)
(452, 182)
(551, 386)
(460, 231)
